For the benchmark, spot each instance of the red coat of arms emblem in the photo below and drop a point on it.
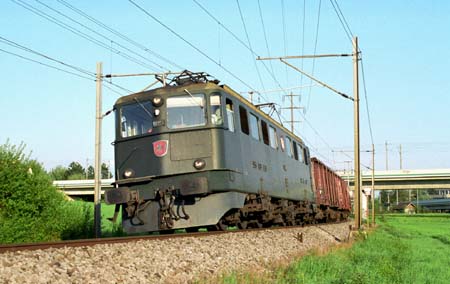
(160, 147)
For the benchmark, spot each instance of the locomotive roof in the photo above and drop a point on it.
(193, 87)
(166, 90)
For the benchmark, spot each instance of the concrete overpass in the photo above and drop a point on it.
(81, 188)
(403, 179)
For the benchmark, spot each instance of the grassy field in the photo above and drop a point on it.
(403, 249)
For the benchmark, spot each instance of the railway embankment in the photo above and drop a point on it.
(177, 260)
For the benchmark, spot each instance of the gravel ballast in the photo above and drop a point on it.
(178, 260)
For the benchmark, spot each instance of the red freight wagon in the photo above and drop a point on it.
(330, 189)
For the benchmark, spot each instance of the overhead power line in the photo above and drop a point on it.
(342, 19)
(189, 43)
(19, 46)
(315, 51)
(270, 72)
(367, 102)
(65, 26)
(265, 34)
(250, 45)
(46, 65)
(119, 87)
(84, 72)
(119, 34)
(303, 38)
(101, 35)
(283, 21)
(114, 91)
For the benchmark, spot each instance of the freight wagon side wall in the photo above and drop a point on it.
(331, 190)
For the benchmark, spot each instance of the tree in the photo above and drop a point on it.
(76, 171)
(105, 171)
(90, 172)
(58, 173)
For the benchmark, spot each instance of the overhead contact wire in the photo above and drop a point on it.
(284, 36)
(341, 18)
(250, 45)
(271, 73)
(19, 46)
(367, 102)
(46, 65)
(101, 35)
(46, 16)
(265, 34)
(303, 39)
(190, 44)
(315, 51)
(119, 34)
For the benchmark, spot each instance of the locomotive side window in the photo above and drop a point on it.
(300, 153)
(254, 131)
(244, 120)
(282, 143)
(230, 114)
(294, 146)
(186, 111)
(306, 152)
(273, 137)
(216, 110)
(265, 132)
(136, 119)
(288, 146)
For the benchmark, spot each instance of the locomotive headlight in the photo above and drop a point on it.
(199, 164)
(157, 112)
(128, 173)
(157, 101)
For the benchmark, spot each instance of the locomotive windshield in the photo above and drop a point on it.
(186, 111)
(136, 119)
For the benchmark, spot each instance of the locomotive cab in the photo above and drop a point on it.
(181, 133)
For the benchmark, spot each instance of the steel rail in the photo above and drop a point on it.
(114, 240)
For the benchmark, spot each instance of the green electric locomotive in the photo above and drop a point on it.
(196, 154)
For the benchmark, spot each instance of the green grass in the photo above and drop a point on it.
(79, 215)
(110, 229)
(403, 249)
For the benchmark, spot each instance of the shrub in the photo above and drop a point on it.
(78, 220)
(31, 208)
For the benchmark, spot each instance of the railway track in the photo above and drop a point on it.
(114, 240)
(179, 258)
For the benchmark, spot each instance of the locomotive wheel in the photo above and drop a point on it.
(191, 230)
(212, 228)
(221, 226)
(243, 225)
(255, 225)
(167, 232)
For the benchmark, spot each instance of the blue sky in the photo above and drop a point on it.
(405, 46)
